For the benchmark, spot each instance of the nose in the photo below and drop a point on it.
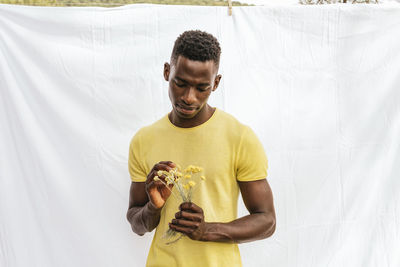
(189, 97)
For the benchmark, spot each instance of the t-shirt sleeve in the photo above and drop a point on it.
(135, 162)
(251, 161)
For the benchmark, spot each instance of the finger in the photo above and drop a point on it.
(197, 217)
(190, 207)
(169, 163)
(154, 171)
(150, 177)
(164, 167)
(185, 223)
(181, 229)
(154, 184)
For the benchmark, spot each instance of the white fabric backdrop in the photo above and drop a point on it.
(320, 85)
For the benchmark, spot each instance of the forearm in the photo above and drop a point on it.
(248, 228)
(143, 219)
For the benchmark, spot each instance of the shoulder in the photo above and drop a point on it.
(229, 120)
(237, 132)
(149, 131)
(232, 124)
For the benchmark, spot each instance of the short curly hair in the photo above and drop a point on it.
(196, 45)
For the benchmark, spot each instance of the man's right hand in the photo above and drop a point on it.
(157, 192)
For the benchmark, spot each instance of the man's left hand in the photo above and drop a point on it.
(189, 220)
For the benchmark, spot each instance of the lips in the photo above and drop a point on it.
(185, 107)
(186, 110)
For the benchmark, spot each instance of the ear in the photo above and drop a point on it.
(216, 82)
(167, 69)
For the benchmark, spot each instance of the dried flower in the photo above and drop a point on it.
(185, 190)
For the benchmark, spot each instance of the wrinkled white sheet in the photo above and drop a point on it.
(320, 85)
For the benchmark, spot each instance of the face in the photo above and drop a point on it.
(190, 85)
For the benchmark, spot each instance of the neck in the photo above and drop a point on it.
(200, 118)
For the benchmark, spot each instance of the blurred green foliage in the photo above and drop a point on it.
(320, 2)
(114, 3)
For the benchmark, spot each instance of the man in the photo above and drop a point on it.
(194, 133)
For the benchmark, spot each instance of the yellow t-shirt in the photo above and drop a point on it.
(228, 151)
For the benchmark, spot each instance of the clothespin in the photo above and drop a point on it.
(230, 7)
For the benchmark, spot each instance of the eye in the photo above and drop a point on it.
(202, 89)
(179, 84)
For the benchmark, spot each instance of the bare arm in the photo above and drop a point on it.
(259, 224)
(146, 200)
(142, 215)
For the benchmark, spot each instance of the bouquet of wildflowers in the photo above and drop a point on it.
(184, 183)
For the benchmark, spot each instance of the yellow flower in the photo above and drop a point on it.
(187, 176)
(156, 178)
(170, 179)
(193, 169)
(196, 169)
(203, 177)
(191, 183)
(186, 186)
